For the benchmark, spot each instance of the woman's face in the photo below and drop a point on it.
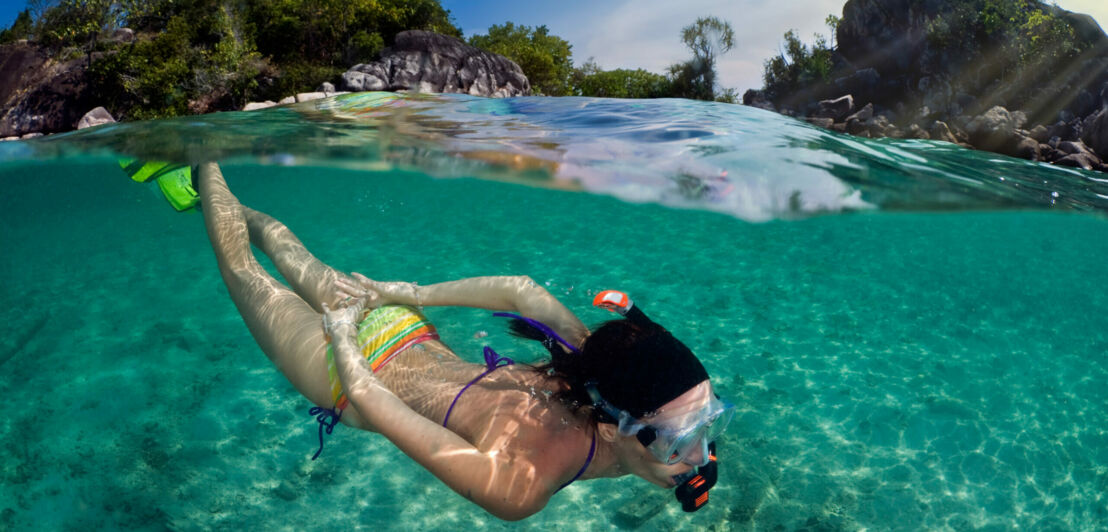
(676, 414)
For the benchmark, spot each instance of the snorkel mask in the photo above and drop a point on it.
(686, 437)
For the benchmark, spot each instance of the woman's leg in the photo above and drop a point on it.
(283, 324)
(309, 277)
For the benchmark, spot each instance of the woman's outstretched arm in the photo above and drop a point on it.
(506, 485)
(508, 293)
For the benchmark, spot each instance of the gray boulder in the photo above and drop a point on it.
(1028, 148)
(757, 98)
(1077, 160)
(864, 83)
(916, 132)
(1078, 147)
(941, 131)
(863, 115)
(38, 94)
(309, 96)
(95, 117)
(1095, 134)
(252, 106)
(995, 130)
(837, 108)
(423, 61)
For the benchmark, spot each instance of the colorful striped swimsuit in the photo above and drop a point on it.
(383, 334)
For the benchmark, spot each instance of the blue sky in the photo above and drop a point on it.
(646, 33)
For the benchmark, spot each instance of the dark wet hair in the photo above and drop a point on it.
(635, 365)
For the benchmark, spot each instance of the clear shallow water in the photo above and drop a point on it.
(933, 358)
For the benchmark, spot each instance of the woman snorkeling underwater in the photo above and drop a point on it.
(627, 398)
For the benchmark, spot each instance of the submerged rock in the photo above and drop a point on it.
(423, 61)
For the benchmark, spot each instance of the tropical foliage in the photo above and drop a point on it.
(548, 63)
(202, 55)
(707, 38)
(797, 67)
(590, 80)
(192, 56)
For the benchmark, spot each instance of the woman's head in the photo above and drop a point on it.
(635, 366)
(638, 377)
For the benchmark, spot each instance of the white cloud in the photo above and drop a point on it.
(647, 33)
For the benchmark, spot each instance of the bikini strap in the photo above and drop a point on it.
(588, 460)
(492, 361)
(327, 418)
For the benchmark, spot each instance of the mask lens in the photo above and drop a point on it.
(672, 446)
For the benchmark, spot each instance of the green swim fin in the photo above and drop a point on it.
(174, 180)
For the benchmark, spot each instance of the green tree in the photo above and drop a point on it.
(707, 38)
(203, 60)
(590, 80)
(20, 28)
(78, 23)
(546, 59)
(798, 68)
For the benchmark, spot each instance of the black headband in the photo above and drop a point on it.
(651, 370)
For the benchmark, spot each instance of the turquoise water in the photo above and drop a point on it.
(915, 334)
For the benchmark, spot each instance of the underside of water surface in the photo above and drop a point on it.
(914, 333)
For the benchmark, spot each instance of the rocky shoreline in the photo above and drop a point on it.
(922, 69)
(1078, 143)
(875, 96)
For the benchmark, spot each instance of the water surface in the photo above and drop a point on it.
(914, 332)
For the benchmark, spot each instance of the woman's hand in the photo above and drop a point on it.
(348, 314)
(361, 288)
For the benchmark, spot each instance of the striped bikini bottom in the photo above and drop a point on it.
(384, 333)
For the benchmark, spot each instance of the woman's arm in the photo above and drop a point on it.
(506, 486)
(509, 293)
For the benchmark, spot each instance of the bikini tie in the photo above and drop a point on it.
(492, 361)
(321, 415)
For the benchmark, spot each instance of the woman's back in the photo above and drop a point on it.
(511, 409)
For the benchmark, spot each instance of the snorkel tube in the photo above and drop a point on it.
(692, 487)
